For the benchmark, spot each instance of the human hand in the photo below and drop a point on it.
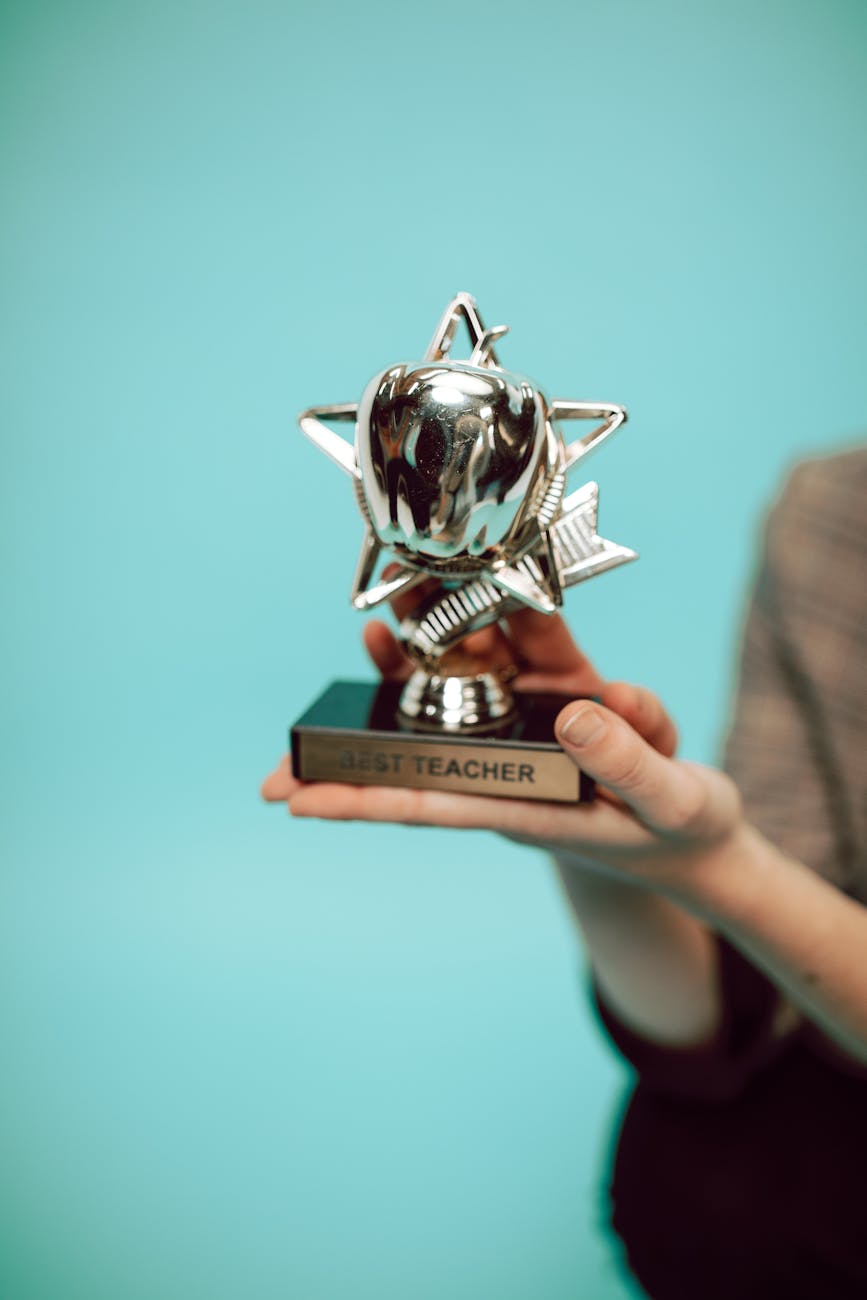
(655, 819)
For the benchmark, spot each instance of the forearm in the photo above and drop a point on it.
(807, 936)
(654, 955)
(654, 964)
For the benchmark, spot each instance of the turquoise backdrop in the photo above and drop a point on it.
(243, 1057)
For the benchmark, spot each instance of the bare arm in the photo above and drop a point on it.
(655, 965)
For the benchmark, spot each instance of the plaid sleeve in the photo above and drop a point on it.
(779, 750)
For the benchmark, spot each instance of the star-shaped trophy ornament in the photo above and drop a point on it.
(460, 472)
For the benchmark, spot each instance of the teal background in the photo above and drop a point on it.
(243, 1057)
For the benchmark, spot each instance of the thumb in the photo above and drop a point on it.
(680, 799)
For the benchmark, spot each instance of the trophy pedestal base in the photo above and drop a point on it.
(354, 734)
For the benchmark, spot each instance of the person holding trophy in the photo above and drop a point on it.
(723, 912)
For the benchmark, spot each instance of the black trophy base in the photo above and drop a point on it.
(353, 734)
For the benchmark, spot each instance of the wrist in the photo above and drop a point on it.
(725, 884)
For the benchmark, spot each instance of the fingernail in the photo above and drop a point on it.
(585, 725)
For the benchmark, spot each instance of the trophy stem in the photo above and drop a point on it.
(471, 703)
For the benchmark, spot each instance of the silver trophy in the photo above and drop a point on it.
(460, 471)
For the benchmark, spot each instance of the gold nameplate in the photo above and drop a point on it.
(351, 735)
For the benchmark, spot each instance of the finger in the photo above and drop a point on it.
(644, 712)
(678, 798)
(384, 649)
(405, 602)
(545, 644)
(490, 646)
(279, 784)
(588, 826)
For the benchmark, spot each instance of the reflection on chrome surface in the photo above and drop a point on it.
(450, 455)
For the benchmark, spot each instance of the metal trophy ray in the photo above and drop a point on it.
(460, 472)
